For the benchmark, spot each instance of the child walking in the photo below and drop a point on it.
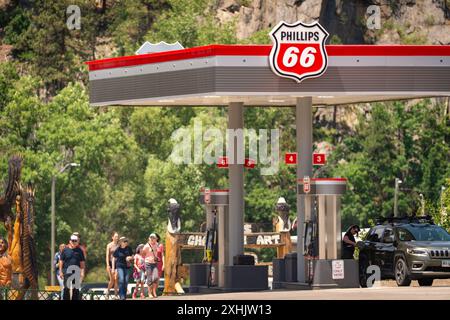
(139, 271)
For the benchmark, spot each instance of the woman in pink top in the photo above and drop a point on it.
(160, 254)
(151, 264)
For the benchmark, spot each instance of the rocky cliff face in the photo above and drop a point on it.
(401, 22)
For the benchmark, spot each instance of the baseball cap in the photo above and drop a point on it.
(153, 236)
(73, 237)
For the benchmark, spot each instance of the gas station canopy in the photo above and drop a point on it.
(220, 74)
(244, 75)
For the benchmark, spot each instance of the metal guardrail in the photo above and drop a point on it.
(27, 294)
(32, 294)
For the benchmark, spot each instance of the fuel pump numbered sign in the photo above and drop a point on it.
(290, 158)
(223, 162)
(319, 159)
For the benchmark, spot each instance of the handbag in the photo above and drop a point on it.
(156, 257)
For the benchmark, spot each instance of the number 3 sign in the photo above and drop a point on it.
(298, 50)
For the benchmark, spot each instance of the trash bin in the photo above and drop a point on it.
(290, 261)
(198, 274)
(278, 270)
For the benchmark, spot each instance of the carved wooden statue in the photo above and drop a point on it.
(21, 250)
(283, 225)
(173, 253)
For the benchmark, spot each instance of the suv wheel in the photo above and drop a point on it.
(425, 282)
(401, 273)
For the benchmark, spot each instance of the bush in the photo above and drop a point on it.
(97, 274)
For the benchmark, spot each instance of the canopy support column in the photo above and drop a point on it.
(236, 180)
(303, 123)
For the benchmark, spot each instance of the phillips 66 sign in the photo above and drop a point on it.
(298, 50)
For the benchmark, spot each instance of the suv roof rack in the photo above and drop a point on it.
(405, 219)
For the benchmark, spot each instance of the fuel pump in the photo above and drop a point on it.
(210, 248)
(216, 244)
(322, 234)
(311, 241)
(218, 268)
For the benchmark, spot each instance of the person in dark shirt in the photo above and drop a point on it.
(56, 263)
(349, 242)
(72, 255)
(122, 258)
(82, 245)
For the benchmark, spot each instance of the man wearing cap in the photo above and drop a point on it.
(150, 254)
(71, 257)
(81, 244)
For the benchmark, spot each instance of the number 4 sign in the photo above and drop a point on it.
(298, 50)
(290, 158)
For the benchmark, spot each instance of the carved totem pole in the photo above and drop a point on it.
(19, 265)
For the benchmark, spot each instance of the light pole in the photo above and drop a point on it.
(397, 182)
(443, 213)
(422, 204)
(52, 250)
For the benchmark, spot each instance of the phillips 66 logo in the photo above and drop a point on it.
(298, 50)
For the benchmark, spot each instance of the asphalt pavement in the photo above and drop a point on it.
(380, 293)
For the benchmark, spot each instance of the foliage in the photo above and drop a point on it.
(394, 140)
(68, 130)
(126, 176)
(191, 24)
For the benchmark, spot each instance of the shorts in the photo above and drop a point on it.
(139, 276)
(152, 273)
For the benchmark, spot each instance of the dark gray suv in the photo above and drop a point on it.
(405, 249)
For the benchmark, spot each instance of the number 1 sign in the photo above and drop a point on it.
(298, 50)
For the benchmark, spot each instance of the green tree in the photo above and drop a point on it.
(192, 23)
